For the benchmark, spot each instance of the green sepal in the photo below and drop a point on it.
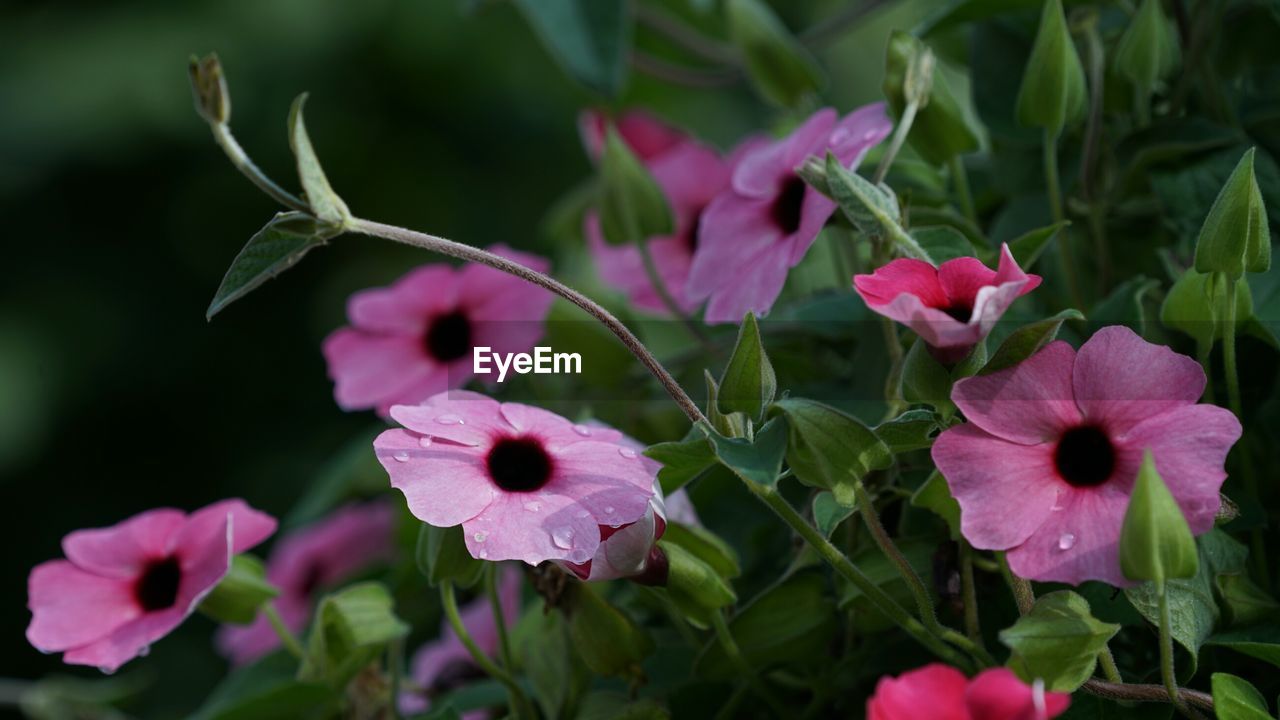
(1148, 49)
(1235, 237)
(442, 554)
(748, 383)
(694, 585)
(1052, 94)
(352, 627)
(240, 593)
(325, 204)
(1156, 543)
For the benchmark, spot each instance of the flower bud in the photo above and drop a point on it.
(695, 587)
(1156, 543)
(940, 131)
(1148, 50)
(442, 555)
(1235, 237)
(628, 551)
(1052, 95)
(209, 88)
(237, 597)
(1193, 302)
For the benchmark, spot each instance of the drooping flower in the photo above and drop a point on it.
(647, 136)
(1045, 464)
(764, 222)
(524, 483)
(414, 339)
(123, 587)
(309, 559)
(941, 692)
(951, 307)
(445, 664)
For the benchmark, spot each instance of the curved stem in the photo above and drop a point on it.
(730, 647)
(679, 74)
(1146, 693)
(499, 615)
(287, 638)
(519, 703)
(960, 179)
(1166, 653)
(476, 255)
(969, 593)
(226, 141)
(924, 602)
(684, 35)
(1108, 663)
(831, 28)
(895, 143)
(1257, 542)
(655, 279)
(1023, 595)
(1055, 208)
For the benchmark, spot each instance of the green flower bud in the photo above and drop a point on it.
(1156, 543)
(940, 131)
(209, 88)
(1148, 50)
(442, 555)
(695, 586)
(1052, 95)
(632, 206)
(237, 597)
(1235, 237)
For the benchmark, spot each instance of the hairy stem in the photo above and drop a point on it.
(969, 593)
(476, 255)
(1166, 653)
(226, 141)
(1257, 542)
(1023, 595)
(1108, 663)
(499, 615)
(684, 35)
(655, 279)
(519, 703)
(895, 143)
(287, 638)
(1055, 209)
(730, 647)
(1146, 693)
(960, 179)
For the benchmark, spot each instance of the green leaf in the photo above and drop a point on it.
(696, 587)
(706, 546)
(868, 207)
(442, 555)
(782, 71)
(1191, 303)
(1027, 340)
(732, 425)
(632, 206)
(1243, 602)
(828, 512)
(1156, 543)
(681, 461)
(959, 12)
(940, 131)
(789, 624)
(748, 383)
(1148, 49)
(1124, 306)
(1192, 608)
(265, 690)
(1235, 699)
(925, 380)
(757, 461)
(325, 204)
(591, 39)
(610, 705)
(607, 640)
(912, 430)
(275, 248)
(1027, 248)
(1235, 236)
(238, 595)
(1261, 642)
(544, 650)
(935, 496)
(1058, 641)
(827, 448)
(1052, 95)
(352, 626)
(942, 242)
(886, 575)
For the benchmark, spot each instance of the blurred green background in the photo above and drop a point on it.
(120, 216)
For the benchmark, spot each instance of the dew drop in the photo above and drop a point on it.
(579, 556)
(401, 456)
(425, 441)
(480, 536)
(144, 651)
(1066, 541)
(582, 430)
(533, 506)
(626, 452)
(608, 509)
(582, 514)
(839, 136)
(484, 554)
(868, 135)
(449, 419)
(562, 537)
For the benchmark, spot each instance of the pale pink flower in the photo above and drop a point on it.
(951, 307)
(764, 222)
(941, 692)
(123, 587)
(445, 664)
(414, 339)
(524, 483)
(1045, 464)
(314, 557)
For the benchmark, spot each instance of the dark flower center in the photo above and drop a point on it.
(691, 237)
(448, 336)
(959, 311)
(312, 579)
(1085, 456)
(157, 589)
(519, 464)
(786, 208)
(454, 675)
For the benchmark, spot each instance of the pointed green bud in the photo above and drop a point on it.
(1148, 50)
(1155, 542)
(940, 131)
(1052, 95)
(1235, 237)
(748, 383)
(240, 593)
(632, 206)
(209, 87)
(694, 585)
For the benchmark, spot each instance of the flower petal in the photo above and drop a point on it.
(998, 694)
(128, 641)
(122, 550)
(1079, 542)
(734, 230)
(459, 416)
(754, 288)
(510, 528)
(1029, 403)
(404, 307)
(1121, 379)
(933, 692)
(762, 169)
(1005, 490)
(858, 132)
(443, 484)
(206, 525)
(369, 369)
(962, 277)
(71, 607)
(904, 275)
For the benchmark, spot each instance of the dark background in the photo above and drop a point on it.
(120, 216)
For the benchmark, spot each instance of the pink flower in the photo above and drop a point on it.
(445, 664)
(763, 224)
(317, 556)
(414, 339)
(951, 307)
(123, 587)
(1045, 465)
(941, 692)
(629, 550)
(647, 136)
(525, 484)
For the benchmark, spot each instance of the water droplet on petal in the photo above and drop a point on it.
(868, 136)
(480, 536)
(579, 556)
(582, 514)
(608, 509)
(582, 430)
(533, 506)
(144, 651)
(562, 537)
(1066, 541)
(401, 456)
(483, 554)
(425, 441)
(449, 419)
(626, 452)
(839, 136)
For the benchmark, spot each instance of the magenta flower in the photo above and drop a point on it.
(1045, 465)
(445, 664)
(951, 307)
(765, 221)
(123, 587)
(647, 136)
(413, 339)
(524, 483)
(941, 692)
(314, 557)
